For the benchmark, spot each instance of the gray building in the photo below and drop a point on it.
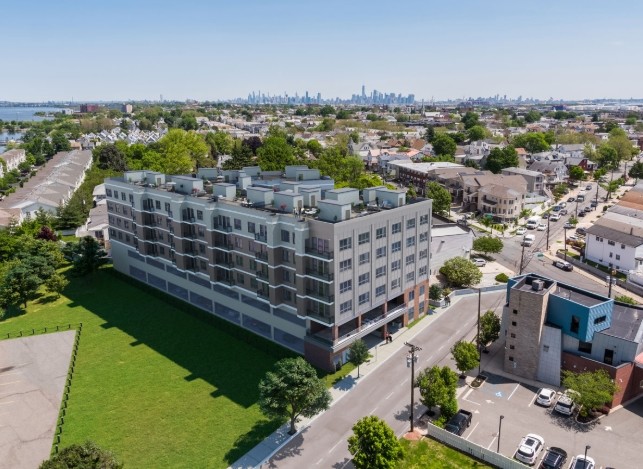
(281, 254)
(535, 180)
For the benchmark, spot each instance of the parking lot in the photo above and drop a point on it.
(615, 440)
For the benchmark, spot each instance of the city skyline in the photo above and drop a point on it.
(123, 51)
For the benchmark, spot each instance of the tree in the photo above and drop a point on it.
(275, 154)
(465, 355)
(489, 328)
(636, 171)
(440, 196)
(358, 353)
(437, 386)
(611, 186)
(477, 132)
(607, 157)
(533, 142)
(293, 390)
(110, 156)
(241, 157)
(220, 143)
(181, 151)
(619, 140)
(326, 110)
(314, 147)
(443, 145)
(500, 158)
(430, 133)
(19, 284)
(532, 116)
(461, 272)
(85, 456)
(374, 445)
(46, 234)
(60, 141)
(487, 244)
(576, 173)
(594, 388)
(470, 119)
(86, 255)
(56, 284)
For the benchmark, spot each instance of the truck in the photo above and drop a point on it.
(459, 422)
(528, 240)
(532, 222)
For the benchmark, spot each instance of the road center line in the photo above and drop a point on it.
(512, 392)
(319, 462)
(374, 409)
(335, 445)
(387, 397)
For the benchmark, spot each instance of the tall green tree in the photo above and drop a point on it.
(182, 151)
(443, 145)
(440, 196)
(594, 388)
(533, 142)
(220, 143)
(293, 390)
(636, 171)
(59, 141)
(487, 244)
(461, 272)
(241, 157)
(374, 445)
(85, 456)
(110, 156)
(489, 328)
(471, 119)
(358, 354)
(86, 255)
(465, 355)
(19, 284)
(275, 154)
(576, 173)
(477, 132)
(437, 385)
(500, 158)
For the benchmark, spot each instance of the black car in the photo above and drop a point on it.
(571, 199)
(581, 231)
(545, 216)
(594, 203)
(582, 214)
(554, 458)
(587, 209)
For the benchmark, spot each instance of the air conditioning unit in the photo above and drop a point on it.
(537, 285)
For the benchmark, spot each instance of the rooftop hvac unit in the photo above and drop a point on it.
(537, 285)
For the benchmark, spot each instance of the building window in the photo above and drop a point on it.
(157, 204)
(364, 258)
(513, 336)
(346, 286)
(585, 347)
(423, 253)
(287, 295)
(238, 260)
(600, 319)
(575, 324)
(618, 257)
(511, 359)
(410, 223)
(251, 227)
(396, 228)
(410, 241)
(381, 290)
(410, 276)
(237, 224)
(422, 272)
(201, 248)
(622, 246)
(421, 290)
(345, 243)
(381, 252)
(167, 206)
(424, 237)
(411, 295)
(395, 283)
(364, 278)
(380, 233)
(346, 265)
(514, 323)
(515, 311)
(199, 214)
(116, 194)
(410, 259)
(396, 246)
(395, 265)
(364, 298)
(285, 275)
(380, 272)
(611, 243)
(108, 192)
(511, 347)
(285, 236)
(424, 219)
(123, 196)
(364, 238)
(346, 306)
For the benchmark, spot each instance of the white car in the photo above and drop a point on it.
(529, 449)
(582, 462)
(546, 397)
(542, 227)
(479, 262)
(565, 404)
(521, 231)
(555, 216)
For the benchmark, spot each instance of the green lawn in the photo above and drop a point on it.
(158, 386)
(429, 454)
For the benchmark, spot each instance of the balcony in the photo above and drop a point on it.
(261, 274)
(224, 247)
(326, 255)
(325, 276)
(324, 298)
(321, 319)
(222, 228)
(261, 256)
(261, 237)
(227, 281)
(263, 295)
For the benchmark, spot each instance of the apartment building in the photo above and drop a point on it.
(503, 196)
(285, 256)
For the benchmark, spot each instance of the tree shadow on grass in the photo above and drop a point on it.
(11, 312)
(46, 299)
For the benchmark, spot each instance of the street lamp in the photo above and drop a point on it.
(565, 242)
(499, 430)
(478, 337)
(585, 457)
(412, 358)
(610, 279)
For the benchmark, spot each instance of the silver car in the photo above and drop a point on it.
(529, 449)
(545, 397)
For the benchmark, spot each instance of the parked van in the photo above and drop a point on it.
(532, 222)
(528, 240)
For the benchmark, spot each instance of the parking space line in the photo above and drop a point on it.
(492, 442)
(472, 430)
(465, 399)
(533, 399)
(512, 392)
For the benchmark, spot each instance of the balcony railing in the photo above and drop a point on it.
(320, 296)
(227, 281)
(224, 246)
(263, 295)
(262, 256)
(224, 229)
(327, 276)
(321, 318)
(262, 274)
(315, 252)
(261, 237)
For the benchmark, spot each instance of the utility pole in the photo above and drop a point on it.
(565, 243)
(597, 186)
(522, 259)
(412, 350)
(478, 337)
(548, 223)
(610, 279)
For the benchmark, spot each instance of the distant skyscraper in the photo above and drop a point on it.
(363, 92)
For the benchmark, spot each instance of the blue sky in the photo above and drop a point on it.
(137, 49)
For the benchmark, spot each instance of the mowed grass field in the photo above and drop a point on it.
(429, 454)
(156, 385)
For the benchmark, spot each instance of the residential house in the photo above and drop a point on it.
(419, 174)
(448, 240)
(554, 171)
(535, 180)
(13, 158)
(503, 196)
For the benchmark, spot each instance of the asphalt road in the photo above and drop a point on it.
(385, 392)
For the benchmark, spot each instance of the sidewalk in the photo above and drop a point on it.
(260, 454)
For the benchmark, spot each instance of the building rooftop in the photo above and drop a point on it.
(626, 322)
(584, 298)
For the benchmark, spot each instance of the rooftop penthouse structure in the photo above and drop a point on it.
(283, 254)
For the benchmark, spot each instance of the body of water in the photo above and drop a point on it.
(25, 113)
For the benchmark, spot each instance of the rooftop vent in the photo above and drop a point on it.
(537, 285)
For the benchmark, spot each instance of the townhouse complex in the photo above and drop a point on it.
(284, 255)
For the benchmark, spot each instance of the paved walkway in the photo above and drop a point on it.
(259, 455)
(33, 371)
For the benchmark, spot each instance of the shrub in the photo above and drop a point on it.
(502, 277)
(625, 299)
(435, 292)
